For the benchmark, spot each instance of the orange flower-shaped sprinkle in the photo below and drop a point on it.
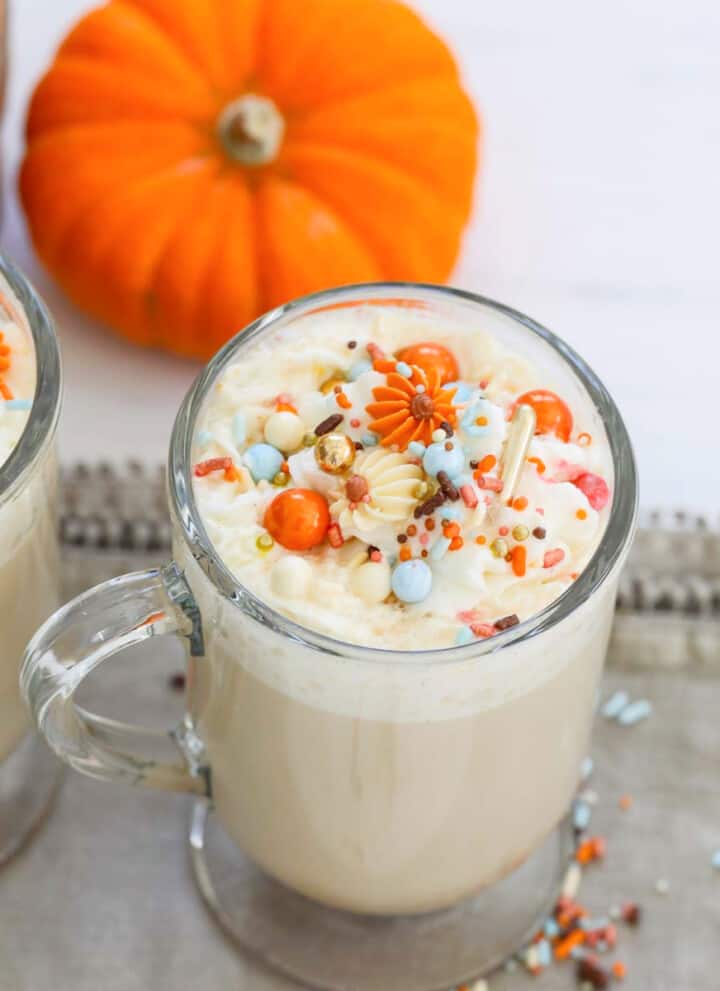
(407, 409)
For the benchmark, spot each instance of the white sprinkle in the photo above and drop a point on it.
(532, 958)
(572, 881)
(586, 768)
(635, 712)
(662, 886)
(614, 705)
(615, 913)
(589, 795)
(481, 985)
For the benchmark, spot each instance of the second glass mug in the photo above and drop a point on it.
(370, 783)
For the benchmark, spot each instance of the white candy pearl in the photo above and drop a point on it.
(284, 430)
(371, 581)
(290, 577)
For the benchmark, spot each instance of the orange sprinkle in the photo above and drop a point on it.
(539, 464)
(625, 802)
(585, 852)
(481, 421)
(384, 365)
(519, 560)
(285, 408)
(342, 400)
(423, 553)
(405, 554)
(520, 503)
(619, 970)
(456, 543)
(584, 440)
(581, 514)
(285, 467)
(5, 391)
(564, 948)
(480, 540)
(411, 530)
(451, 529)
(487, 464)
(429, 524)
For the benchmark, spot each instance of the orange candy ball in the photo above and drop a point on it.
(431, 357)
(553, 415)
(298, 519)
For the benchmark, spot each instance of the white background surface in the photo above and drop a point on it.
(598, 214)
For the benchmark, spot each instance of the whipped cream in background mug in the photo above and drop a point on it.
(382, 744)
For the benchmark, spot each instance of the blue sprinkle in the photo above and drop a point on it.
(417, 448)
(586, 768)
(439, 548)
(436, 459)
(411, 581)
(263, 460)
(369, 440)
(551, 928)
(544, 953)
(239, 428)
(402, 368)
(21, 405)
(464, 635)
(450, 512)
(581, 815)
(204, 438)
(360, 367)
(715, 860)
(634, 712)
(463, 392)
(614, 705)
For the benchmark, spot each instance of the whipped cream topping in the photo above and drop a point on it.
(359, 493)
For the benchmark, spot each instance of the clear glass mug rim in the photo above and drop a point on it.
(43, 419)
(609, 554)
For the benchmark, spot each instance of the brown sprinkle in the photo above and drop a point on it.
(402, 538)
(447, 428)
(447, 487)
(539, 532)
(590, 971)
(372, 549)
(358, 446)
(352, 344)
(328, 424)
(506, 622)
(430, 505)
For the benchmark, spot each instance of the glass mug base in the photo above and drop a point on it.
(29, 781)
(340, 951)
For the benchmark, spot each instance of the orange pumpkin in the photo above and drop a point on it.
(190, 165)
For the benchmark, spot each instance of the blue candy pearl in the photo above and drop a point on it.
(264, 461)
(437, 458)
(411, 581)
(358, 368)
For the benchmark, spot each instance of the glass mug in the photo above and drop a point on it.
(362, 798)
(29, 568)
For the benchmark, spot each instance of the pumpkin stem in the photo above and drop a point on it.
(251, 129)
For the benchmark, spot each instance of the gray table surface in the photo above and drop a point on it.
(104, 899)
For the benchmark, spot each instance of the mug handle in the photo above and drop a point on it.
(98, 625)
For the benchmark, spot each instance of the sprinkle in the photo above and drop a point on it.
(506, 622)
(335, 536)
(635, 712)
(438, 436)
(342, 400)
(439, 548)
(544, 952)
(374, 554)
(499, 547)
(405, 554)
(584, 439)
(464, 635)
(402, 368)
(487, 464)
(328, 424)
(481, 421)
(411, 530)
(619, 970)
(493, 484)
(586, 768)
(430, 505)
(520, 503)
(662, 886)
(204, 438)
(539, 533)
(571, 882)
(614, 705)
(631, 913)
(18, 405)
(352, 345)
(354, 423)
(213, 464)
(417, 448)
(481, 985)
(581, 815)
(553, 557)
(447, 487)
(519, 560)
(539, 464)
(264, 542)
(481, 540)
(504, 531)
(590, 970)
(581, 514)
(430, 524)
(625, 802)
(469, 496)
(568, 943)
